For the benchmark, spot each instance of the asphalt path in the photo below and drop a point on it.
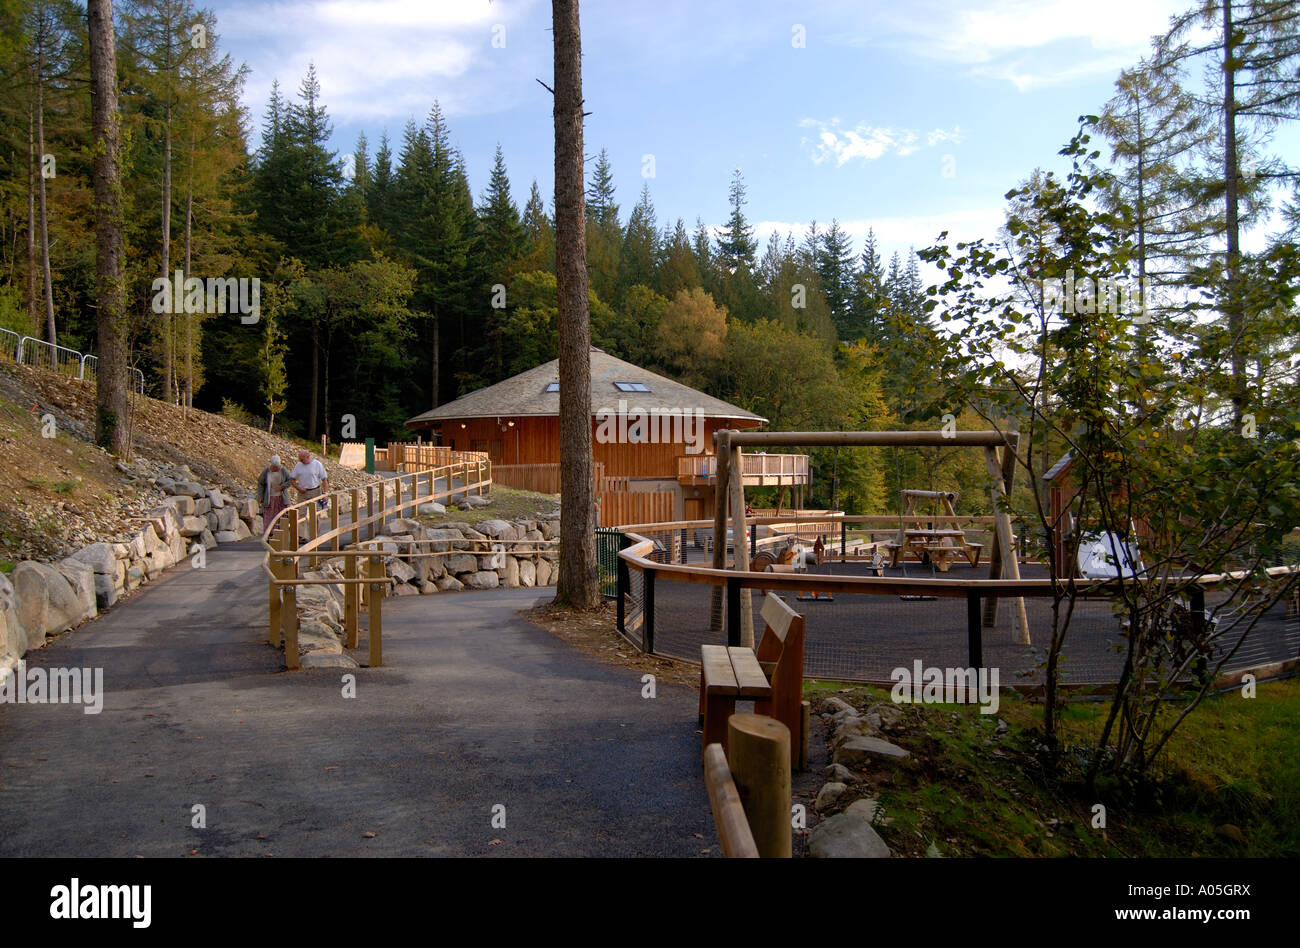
(477, 717)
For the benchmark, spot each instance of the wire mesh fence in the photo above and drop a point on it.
(865, 635)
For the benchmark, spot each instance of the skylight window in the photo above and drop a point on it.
(631, 386)
(553, 387)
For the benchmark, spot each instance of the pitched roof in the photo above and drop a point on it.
(525, 395)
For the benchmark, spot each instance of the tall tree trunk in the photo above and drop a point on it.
(577, 584)
(168, 385)
(50, 332)
(33, 159)
(435, 380)
(188, 398)
(313, 415)
(111, 399)
(1232, 292)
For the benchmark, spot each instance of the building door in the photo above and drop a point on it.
(694, 508)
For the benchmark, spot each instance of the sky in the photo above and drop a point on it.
(909, 118)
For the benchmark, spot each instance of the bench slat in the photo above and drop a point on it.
(719, 677)
(749, 674)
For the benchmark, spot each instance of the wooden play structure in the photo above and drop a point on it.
(999, 458)
(937, 546)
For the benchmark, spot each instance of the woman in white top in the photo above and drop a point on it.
(273, 489)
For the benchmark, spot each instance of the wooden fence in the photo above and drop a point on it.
(404, 457)
(545, 478)
(620, 507)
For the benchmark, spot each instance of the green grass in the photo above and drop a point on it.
(972, 792)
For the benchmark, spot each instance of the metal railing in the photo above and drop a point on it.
(39, 354)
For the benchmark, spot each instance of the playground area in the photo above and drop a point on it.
(863, 637)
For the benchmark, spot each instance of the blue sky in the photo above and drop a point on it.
(911, 117)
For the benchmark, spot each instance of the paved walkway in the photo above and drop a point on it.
(473, 708)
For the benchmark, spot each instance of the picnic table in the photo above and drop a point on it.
(938, 546)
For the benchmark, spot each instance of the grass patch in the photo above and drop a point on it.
(507, 504)
(1227, 785)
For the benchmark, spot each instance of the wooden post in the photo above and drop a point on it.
(758, 748)
(277, 543)
(805, 733)
(334, 519)
(375, 635)
(289, 608)
(737, 480)
(355, 532)
(1002, 520)
(313, 520)
(720, 495)
(351, 591)
(728, 813)
(370, 508)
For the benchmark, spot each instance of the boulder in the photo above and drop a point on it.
(441, 538)
(202, 507)
(829, 794)
(866, 808)
(510, 575)
(483, 579)
(426, 587)
(47, 602)
(81, 576)
(226, 518)
(450, 584)
(527, 573)
(246, 508)
(226, 536)
(184, 505)
(846, 836)
(166, 484)
(188, 489)
(834, 705)
(497, 529)
(241, 530)
(550, 528)
(861, 750)
(100, 556)
(461, 563)
(399, 527)
(194, 526)
(430, 509)
(543, 573)
(170, 520)
(134, 577)
(13, 640)
(400, 570)
(473, 500)
(218, 499)
(838, 772)
(404, 589)
(207, 539)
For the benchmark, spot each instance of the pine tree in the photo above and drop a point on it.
(640, 252)
(736, 245)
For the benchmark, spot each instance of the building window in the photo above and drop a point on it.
(553, 387)
(631, 386)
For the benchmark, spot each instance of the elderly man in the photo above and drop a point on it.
(309, 476)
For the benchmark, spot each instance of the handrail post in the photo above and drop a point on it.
(648, 636)
(289, 610)
(350, 593)
(356, 516)
(334, 520)
(974, 630)
(733, 610)
(375, 573)
(274, 561)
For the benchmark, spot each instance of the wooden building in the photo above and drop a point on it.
(649, 435)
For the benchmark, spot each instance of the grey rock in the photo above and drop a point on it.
(99, 556)
(226, 536)
(461, 563)
(202, 507)
(846, 836)
(866, 808)
(194, 526)
(483, 579)
(829, 794)
(207, 539)
(323, 659)
(430, 509)
(510, 575)
(184, 505)
(450, 584)
(400, 570)
(861, 750)
(838, 772)
(527, 573)
(834, 705)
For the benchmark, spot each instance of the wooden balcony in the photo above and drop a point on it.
(761, 470)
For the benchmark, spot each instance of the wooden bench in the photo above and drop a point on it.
(727, 675)
(780, 656)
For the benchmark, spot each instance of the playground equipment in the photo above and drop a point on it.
(936, 546)
(813, 557)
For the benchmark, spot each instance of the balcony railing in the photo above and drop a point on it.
(759, 469)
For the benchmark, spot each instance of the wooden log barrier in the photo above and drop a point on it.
(758, 748)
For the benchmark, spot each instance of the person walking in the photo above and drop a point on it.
(309, 476)
(273, 489)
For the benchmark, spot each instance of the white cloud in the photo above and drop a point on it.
(384, 57)
(868, 142)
